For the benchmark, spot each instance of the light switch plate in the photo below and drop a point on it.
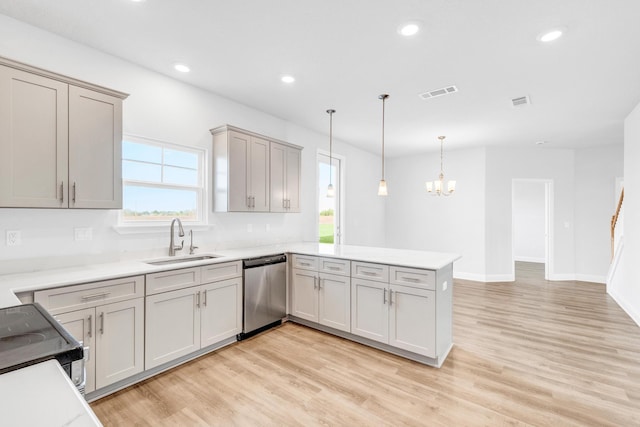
(83, 233)
(14, 238)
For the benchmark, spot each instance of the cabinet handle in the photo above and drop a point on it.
(248, 201)
(390, 298)
(62, 192)
(94, 296)
(89, 331)
(198, 299)
(314, 282)
(384, 296)
(284, 203)
(288, 203)
(306, 264)
(410, 279)
(102, 323)
(204, 298)
(74, 192)
(320, 283)
(368, 273)
(253, 201)
(331, 267)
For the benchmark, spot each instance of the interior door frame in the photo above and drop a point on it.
(548, 225)
(339, 238)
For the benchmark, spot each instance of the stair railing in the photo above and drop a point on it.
(614, 221)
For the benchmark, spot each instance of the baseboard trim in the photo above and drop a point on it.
(529, 259)
(635, 315)
(484, 278)
(591, 278)
(562, 277)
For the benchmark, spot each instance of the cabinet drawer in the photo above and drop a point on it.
(365, 270)
(70, 298)
(335, 266)
(171, 280)
(216, 272)
(305, 262)
(425, 279)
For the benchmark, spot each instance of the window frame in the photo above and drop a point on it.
(201, 189)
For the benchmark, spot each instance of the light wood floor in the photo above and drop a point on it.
(530, 353)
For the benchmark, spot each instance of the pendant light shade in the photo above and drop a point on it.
(382, 187)
(331, 192)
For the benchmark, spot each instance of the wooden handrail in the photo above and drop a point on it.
(614, 221)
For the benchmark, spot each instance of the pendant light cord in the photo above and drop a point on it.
(384, 98)
(331, 111)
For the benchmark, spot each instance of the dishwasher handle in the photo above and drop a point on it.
(262, 261)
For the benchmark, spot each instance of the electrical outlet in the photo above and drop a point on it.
(83, 234)
(14, 238)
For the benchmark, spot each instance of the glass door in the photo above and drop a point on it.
(329, 206)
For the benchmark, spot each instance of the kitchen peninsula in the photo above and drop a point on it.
(398, 301)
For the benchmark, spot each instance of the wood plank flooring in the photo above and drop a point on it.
(531, 352)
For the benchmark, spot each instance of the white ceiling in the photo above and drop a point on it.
(344, 53)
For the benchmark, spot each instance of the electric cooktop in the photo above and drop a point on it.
(29, 335)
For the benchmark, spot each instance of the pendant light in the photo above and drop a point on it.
(436, 188)
(331, 192)
(382, 188)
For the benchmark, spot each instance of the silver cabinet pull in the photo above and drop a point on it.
(102, 323)
(204, 298)
(390, 298)
(314, 282)
(95, 296)
(320, 283)
(248, 201)
(331, 267)
(89, 331)
(368, 273)
(198, 299)
(253, 201)
(384, 297)
(410, 279)
(62, 192)
(74, 192)
(284, 203)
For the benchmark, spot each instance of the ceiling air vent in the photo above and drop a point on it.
(523, 100)
(438, 92)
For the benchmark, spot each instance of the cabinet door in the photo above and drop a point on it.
(412, 319)
(33, 140)
(305, 294)
(81, 325)
(221, 311)
(95, 149)
(293, 171)
(119, 341)
(172, 326)
(259, 175)
(370, 309)
(239, 152)
(335, 301)
(278, 177)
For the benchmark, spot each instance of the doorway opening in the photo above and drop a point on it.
(329, 208)
(532, 225)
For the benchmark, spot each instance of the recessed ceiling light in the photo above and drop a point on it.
(551, 35)
(409, 29)
(288, 79)
(137, 1)
(541, 142)
(182, 68)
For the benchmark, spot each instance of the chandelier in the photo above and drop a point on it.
(436, 188)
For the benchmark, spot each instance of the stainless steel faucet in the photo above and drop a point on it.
(172, 246)
(191, 247)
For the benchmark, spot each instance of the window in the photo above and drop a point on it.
(161, 181)
(329, 214)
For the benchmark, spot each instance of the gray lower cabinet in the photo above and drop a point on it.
(184, 315)
(108, 318)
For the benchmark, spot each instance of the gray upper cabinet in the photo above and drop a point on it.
(60, 141)
(285, 178)
(254, 173)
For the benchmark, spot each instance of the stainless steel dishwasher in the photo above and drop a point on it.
(265, 293)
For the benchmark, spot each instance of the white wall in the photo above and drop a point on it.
(503, 166)
(417, 220)
(166, 109)
(627, 292)
(528, 221)
(596, 170)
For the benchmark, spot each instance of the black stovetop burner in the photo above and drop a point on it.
(29, 335)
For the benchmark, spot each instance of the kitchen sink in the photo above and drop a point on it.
(181, 260)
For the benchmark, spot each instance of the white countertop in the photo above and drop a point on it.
(51, 278)
(43, 395)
